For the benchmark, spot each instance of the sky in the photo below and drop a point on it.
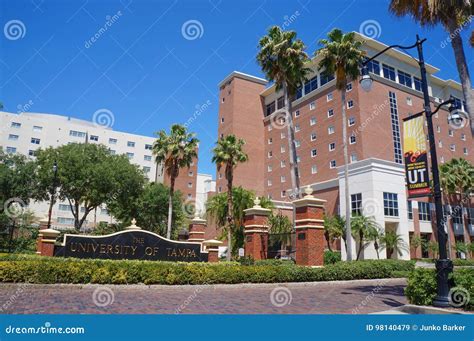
(142, 65)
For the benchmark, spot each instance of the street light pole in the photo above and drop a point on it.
(52, 193)
(444, 265)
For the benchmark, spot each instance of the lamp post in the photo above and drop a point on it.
(444, 265)
(52, 192)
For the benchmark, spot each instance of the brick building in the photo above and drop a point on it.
(250, 109)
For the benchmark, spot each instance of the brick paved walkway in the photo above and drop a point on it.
(363, 296)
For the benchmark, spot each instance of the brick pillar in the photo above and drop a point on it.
(256, 231)
(197, 228)
(45, 242)
(309, 229)
(212, 247)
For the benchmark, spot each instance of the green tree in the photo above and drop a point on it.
(280, 226)
(227, 154)
(452, 15)
(393, 242)
(282, 59)
(363, 229)
(334, 228)
(341, 55)
(175, 150)
(415, 242)
(433, 247)
(87, 177)
(217, 211)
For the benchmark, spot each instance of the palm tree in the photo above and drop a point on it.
(364, 229)
(341, 55)
(415, 242)
(282, 59)
(280, 226)
(452, 15)
(175, 151)
(333, 229)
(393, 242)
(229, 153)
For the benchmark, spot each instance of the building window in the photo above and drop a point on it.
(450, 133)
(297, 145)
(32, 152)
(354, 157)
(438, 129)
(65, 221)
(270, 128)
(148, 147)
(297, 113)
(219, 189)
(37, 129)
(326, 78)
(35, 140)
(130, 155)
(452, 147)
(297, 128)
(374, 67)
(15, 125)
(409, 102)
(424, 211)
(390, 204)
(331, 130)
(94, 138)
(349, 87)
(147, 169)
(270, 154)
(351, 121)
(282, 148)
(64, 207)
(356, 204)
(112, 141)
(270, 140)
(332, 164)
(442, 159)
(312, 106)
(311, 85)
(222, 119)
(76, 133)
(13, 137)
(404, 78)
(352, 139)
(190, 185)
(463, 137)
(112, 152)
(440, 144)
(314, 169)
(314, 152)
(350, 104)
(280, 102)
(312, 121)
(283, 194)
(11, 150)
(330, 112)
(417, 83)
(329, 97)
(299, 92)
(410, 209)
(282, 178)
(456, 215)
(130, 144)
(397, 145)
(269, 183)
(298, 159)
(269, 168)
(282, 135)
(270, 108)
(190, 173)
(332, 146)
(313, 136)
(465, 151)
(388, 72)
(282, 164)
(147, 158)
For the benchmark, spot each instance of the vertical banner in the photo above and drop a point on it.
(416, 158)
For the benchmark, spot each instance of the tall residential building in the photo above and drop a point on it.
(375, 130)
(205, 186)
(26, 132)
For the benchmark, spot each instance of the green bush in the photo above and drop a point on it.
(70, 270)
(331, 257)
(422, 286)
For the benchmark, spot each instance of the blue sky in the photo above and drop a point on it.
(149, 72)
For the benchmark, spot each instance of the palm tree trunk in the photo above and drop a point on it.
(295, 179)
(346, 178)
(361, 244)
(170, 206)
(230, 220)
(456, 43)
(326, 235)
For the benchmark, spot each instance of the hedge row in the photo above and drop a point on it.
(69, 270)
(421, 288)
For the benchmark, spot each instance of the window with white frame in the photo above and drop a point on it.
(452, 147)
(312, 121)
(331, 130)
(410, 209)
(332, 164)
(269, 183)
(330, 112)
(350, 104)
(424, 211)
(356, 204)
(312, 106)
(463, 137)
(297, 143)
(329, 97)
(390, 204)
(450, 133)
(314, 152)
(15, 125)
(354, 157)
(465, 151)
(351, 121)
(13, 137)
(147, 157)
(282, 164)
(130, 144)
(297, 128)
(112, 141)
(313, 136)
(37, 129)
(332, 146)
(352, 139)
(35, 140)
(269, 168)
(270, 154)
(297, 113)
(314, 169)
(283, 194)
(349, 87)
(282, 178)
(282, 135)
(409, 101)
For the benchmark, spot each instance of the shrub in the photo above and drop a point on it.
(331, 257)
(422, 286)
(70, 270)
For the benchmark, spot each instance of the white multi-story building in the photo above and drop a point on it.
(26, 132)
(204, 185)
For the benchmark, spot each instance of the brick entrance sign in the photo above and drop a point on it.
(256, 231)
(197, 229)
(309, 229)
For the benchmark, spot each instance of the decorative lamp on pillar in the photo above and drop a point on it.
(256, 231)
(309, 229)
(133, 226)
(197, 229)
